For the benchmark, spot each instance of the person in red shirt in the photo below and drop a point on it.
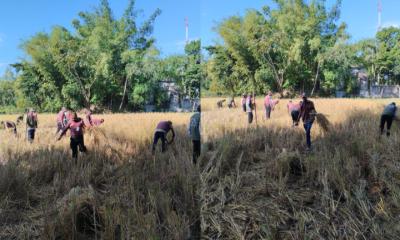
(161, 132)
(294, 111)
(9, 125)
(76, 127)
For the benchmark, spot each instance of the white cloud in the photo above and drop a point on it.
(391, 24)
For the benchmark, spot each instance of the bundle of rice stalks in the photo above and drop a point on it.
(323, 122)
(96, 135)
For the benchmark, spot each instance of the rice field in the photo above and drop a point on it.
(118, 190)
(257, 182)
(253, 181)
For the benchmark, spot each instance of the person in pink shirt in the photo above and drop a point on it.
(269, 105)
(294, 111)
(61, 119)
(91, 121)
(88, 119)
(76, 127)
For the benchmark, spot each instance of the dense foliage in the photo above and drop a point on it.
(107, 62)
(296, 47)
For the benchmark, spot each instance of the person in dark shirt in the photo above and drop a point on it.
(387, 117)
(9, 125)
(307, 114)
(162, 129)
(76, 127)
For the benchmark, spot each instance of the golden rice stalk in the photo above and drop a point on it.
(323, 122)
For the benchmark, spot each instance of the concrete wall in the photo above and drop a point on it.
(382, 91)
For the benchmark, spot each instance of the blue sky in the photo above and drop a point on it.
(20, 19)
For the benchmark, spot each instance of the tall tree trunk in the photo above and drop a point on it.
(123, 94)
(316, 79)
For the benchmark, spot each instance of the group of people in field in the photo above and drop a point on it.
(31, 122)
(68, 120)
(305, 111)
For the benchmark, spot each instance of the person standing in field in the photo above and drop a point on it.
(387, 117)
(31, 124)
(162, 129)
(88, 120)
(194, 133)
(243, 102)
(269, 105)
(294, 111)
(61, 119)
(76, 127)
(9, 125)
(307, 114)
(249, 108)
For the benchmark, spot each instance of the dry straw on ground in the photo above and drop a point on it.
(116, 191)
(257, 182)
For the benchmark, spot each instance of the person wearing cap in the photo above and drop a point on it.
(9, 125)
(31, 124)
(194, 133)
(249, 108)
(243, 102)
(162, 129)
(307, 114)
(387, 117)
(294, 111)
(76, 127)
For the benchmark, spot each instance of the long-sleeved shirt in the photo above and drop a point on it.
(31, 120)
(194, 126)
(9, 125)
(163, 126)
(268, 102)
(75, 126)
(60, 117)
(390, 110)
(306, 110)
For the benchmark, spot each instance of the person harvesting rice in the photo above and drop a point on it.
(387, 117)
(162, 129)
(294, 111)
(76, 127)
(9, 125)
(31, 124)
(307, 114)
(194, 133)
(249, 108)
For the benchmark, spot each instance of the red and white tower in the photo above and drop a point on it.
(187, 29)
(379, 15)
